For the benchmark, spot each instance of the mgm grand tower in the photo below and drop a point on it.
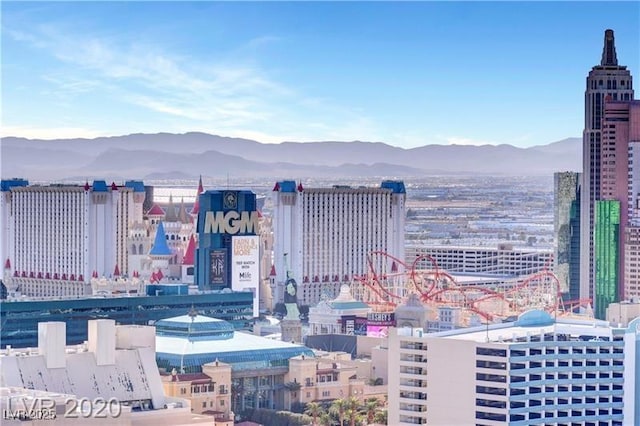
(607, 81)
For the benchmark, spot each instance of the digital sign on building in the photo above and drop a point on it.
(228, 247)
(218, 263)
(245, 262)
(378, 323)
(353, 325)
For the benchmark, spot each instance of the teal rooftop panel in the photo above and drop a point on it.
(534, 318)
(349, 305)
(243, 351)
(195, 327)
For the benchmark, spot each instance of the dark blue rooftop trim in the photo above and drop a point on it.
(396, 186)
(99, 186)
(6, 185)
(287, 186)
(136, 185)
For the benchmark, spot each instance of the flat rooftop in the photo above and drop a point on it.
(239, 342)
(529, 324)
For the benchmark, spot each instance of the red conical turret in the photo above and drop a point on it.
(190, 253)
(196, 207)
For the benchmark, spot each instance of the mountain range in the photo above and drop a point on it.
(185, 156)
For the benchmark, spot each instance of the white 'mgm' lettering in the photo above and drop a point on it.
(231, 223)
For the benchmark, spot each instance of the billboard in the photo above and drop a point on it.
(245, 266)
(377, 331)
(217, 263)
(353, 325)
(378, 323)
(381, 318)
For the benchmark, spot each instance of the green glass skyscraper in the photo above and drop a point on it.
(606, 243)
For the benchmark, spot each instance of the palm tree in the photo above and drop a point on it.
(339, 408)
(293, 388)
(314, 410)
(370, 407)
(236, 395)
(352, 406)
(381, 416)
(325, 419)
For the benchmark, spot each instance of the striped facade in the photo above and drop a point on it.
(323, 237)
(59, 236)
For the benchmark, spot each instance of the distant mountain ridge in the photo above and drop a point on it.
(191, 154)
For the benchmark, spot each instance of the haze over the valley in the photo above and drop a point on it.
(185, 156)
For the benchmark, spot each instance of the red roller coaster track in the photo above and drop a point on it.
(437, 287)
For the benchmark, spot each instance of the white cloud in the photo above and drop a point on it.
(259, 136)
(459, 140)
(165, 83)
(234, 99)
(49, 132)
(520, 140)
(261, 41)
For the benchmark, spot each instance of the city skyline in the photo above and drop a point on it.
(406, 74)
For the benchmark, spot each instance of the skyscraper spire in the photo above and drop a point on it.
(609, 57)
(607, 81)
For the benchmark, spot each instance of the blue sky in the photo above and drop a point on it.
(404, 73)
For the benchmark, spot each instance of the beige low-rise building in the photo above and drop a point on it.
(329, 376)
(622, 313)
(209, 392)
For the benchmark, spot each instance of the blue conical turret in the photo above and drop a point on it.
(160, 247)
